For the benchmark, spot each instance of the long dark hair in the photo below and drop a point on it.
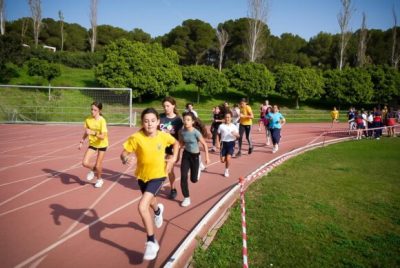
(173, 102)
(197, 124)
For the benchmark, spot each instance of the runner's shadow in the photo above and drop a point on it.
(66, 178)
(96, 227)
(124, 179)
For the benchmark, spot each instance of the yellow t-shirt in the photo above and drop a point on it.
(150, 154)
(246, 111)
(98, 126)
(335, 114)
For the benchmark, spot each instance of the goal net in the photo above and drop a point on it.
(41, 104)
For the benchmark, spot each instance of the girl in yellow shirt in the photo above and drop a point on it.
(96, 130)
(149, 145)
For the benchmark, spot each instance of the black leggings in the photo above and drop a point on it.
(189, 162)
(242, 129)
(276, 135)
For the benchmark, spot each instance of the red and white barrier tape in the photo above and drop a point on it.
(244, 233)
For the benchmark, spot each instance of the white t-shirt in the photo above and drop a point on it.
(226, 132)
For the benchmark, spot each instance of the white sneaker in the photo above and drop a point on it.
(202, 166)
(158, 219)
(151, 250)
(226, 173)
(99, 183)
(90, 175)
(274, 150)
(185, 202)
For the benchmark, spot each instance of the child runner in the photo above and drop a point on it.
(276, 121)
(263, 112)
(390, 122)
(149, 145)
(229, 133)
(246, 116)
(266, 126)
(360, 125)
(191, 134)
(377, 124)
(190, 108)
(170, 123)
(96, 130)
(334, 116)
(217, 120)
(235, 115)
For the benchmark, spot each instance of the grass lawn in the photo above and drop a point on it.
(337, 206)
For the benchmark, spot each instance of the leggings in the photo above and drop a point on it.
(276, 135)
(190, 162)
(242, 129)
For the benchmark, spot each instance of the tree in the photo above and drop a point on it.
(139, 35)
(36, 10)
(93, 23)
(61, 17)
(192, 41)
(351, 85)
(207, 79)
(395, 52)
(258, 13)
(386, 83)
(42, 68)
(251, 78)
(146, 68)
(223, 38)
(362, 43)
(344, 18)
(2, 18)
(297, 83)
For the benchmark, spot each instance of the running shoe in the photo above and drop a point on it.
(99, 183)
(173, 194)
(90, 175)
(151, 250)
(250, 150)
(158, 219)
(226, 173)
(186, 202)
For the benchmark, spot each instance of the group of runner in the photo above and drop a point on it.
(369, 124)
(158, 145)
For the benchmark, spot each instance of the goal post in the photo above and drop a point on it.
(48, 104)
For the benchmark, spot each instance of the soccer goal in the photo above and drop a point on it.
(46, 104)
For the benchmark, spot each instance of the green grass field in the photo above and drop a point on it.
(309, 112)
(337, 206)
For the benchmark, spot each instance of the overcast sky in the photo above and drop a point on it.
(305, 18)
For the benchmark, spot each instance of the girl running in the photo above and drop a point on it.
(266, 126)
(334, 116)
(229, 133)
(246, 116)
(171, 123)
(149, 145)
(390, 122)
(276, 121)
(96, 130)
(360, 125)
(192, 133)
(217, 120)
(263, 112)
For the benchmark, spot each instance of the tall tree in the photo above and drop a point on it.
(362, 43)
(395, 54)
(223, 38)
(36, 10)
(344, 18)
(93, 24)
(2, 18)
(61, 16)
(258, 14)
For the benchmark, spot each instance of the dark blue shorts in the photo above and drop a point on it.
(227, 147)
(98, 149)
(152, 186)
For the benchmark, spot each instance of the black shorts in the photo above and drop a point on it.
(169, 150)
(152, 186)
(227, 147)
(103, 149)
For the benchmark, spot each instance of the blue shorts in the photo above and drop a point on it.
(152, 186)
(227, 147)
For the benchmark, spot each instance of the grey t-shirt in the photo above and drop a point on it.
(191, 140)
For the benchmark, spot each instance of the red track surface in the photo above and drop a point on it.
(51, 217)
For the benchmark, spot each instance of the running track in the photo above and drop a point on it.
(51, 217)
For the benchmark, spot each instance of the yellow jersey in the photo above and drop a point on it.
(99, 126)
(335, 114)
(150, 154)
(246, 111)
